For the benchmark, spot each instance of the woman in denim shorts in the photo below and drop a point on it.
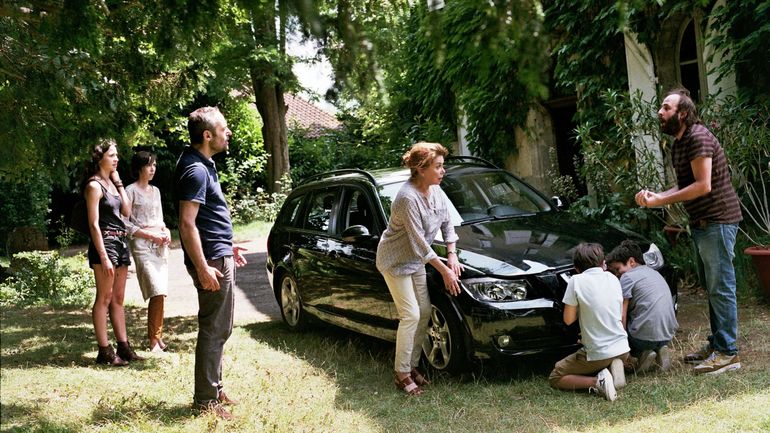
(108, 252)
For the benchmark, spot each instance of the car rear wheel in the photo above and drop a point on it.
(291, 304)
(444, 347)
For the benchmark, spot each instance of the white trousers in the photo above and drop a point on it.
(410, 294)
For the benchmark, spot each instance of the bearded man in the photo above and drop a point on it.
(704, 187)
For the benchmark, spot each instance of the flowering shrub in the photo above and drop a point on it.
(260, 206)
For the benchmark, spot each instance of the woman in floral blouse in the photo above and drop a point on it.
(419, 210)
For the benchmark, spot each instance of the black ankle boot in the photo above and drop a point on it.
(107, 356)
(126, 352)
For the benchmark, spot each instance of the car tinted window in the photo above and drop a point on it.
(320, 212)
(388, 194)
(288, 216)
(359, 211)
(492, 193)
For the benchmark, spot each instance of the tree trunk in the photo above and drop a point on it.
(269, 100)
(268, 95)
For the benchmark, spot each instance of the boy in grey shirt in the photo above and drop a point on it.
(648, 310)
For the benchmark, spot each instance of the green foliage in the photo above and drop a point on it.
(613, 165)
(743, 130)
(679, 252)
(415, 72)
(42, 278)
(262, 206)
(349, 147)
(561, 185)
(245, 162)
(83, 70)
(483, 59)
(24, 204)
(66, 235)
(743, 29)
(589, 52)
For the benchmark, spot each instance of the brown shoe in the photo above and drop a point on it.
(216, 409)
(107, 356)
(225, 399)
(126, 352)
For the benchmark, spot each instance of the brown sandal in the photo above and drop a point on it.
(418, 378)
(408, 386)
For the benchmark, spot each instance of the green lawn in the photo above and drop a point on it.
(329, 380)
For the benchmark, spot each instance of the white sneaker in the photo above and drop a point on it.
(618, 374)
(646, 361)
(664, 358)
(605, 385)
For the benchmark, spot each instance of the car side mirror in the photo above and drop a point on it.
(356, 233)
(558, 202)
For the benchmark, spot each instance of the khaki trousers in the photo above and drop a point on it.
(410, 294)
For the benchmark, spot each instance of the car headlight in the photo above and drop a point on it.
(653, 257)
(497, 290)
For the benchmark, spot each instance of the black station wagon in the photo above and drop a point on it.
(515, 245)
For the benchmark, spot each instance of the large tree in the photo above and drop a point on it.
(73, 71)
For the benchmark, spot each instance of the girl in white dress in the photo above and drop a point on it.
(149, 243)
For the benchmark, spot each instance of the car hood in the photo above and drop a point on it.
(530, 244)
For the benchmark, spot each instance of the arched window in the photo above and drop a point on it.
(691, 61)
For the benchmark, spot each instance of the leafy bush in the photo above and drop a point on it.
(615, 167)
(24, 204)
(43, 278)
(260, 207)
(66, 235)
(743, 130)
(246, 158)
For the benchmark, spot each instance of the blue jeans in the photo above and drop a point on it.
(715, 247)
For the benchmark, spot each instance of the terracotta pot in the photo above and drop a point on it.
(761, 258)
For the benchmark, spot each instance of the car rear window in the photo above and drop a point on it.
(320, 212)
(288, 216)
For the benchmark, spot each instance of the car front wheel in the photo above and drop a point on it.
(291, 305)
(443, 348)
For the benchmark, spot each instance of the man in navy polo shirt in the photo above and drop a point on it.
(206, 231)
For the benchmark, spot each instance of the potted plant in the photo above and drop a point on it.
(756, 212)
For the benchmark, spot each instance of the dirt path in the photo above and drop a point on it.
(254, 300)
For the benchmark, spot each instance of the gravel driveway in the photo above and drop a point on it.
(254, 300)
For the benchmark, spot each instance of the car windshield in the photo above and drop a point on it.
(481, 195)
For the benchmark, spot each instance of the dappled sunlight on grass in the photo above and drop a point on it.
(740, 413)
(327, 379)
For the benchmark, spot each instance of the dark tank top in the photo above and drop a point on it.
(109, 212)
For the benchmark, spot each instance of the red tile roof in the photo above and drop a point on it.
(305, 115)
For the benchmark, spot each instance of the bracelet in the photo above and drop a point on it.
(451, 252)
(118, 184)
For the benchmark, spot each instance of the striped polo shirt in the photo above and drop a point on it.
(721, 205)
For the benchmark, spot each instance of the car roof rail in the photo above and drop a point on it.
(471, 159)
(328, 174)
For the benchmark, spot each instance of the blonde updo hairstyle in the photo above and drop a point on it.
(421, 155)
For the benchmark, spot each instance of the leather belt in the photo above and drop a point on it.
(113, 233)
(701, 224)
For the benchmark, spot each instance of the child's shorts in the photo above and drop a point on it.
(116, 248)
(578, 364)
